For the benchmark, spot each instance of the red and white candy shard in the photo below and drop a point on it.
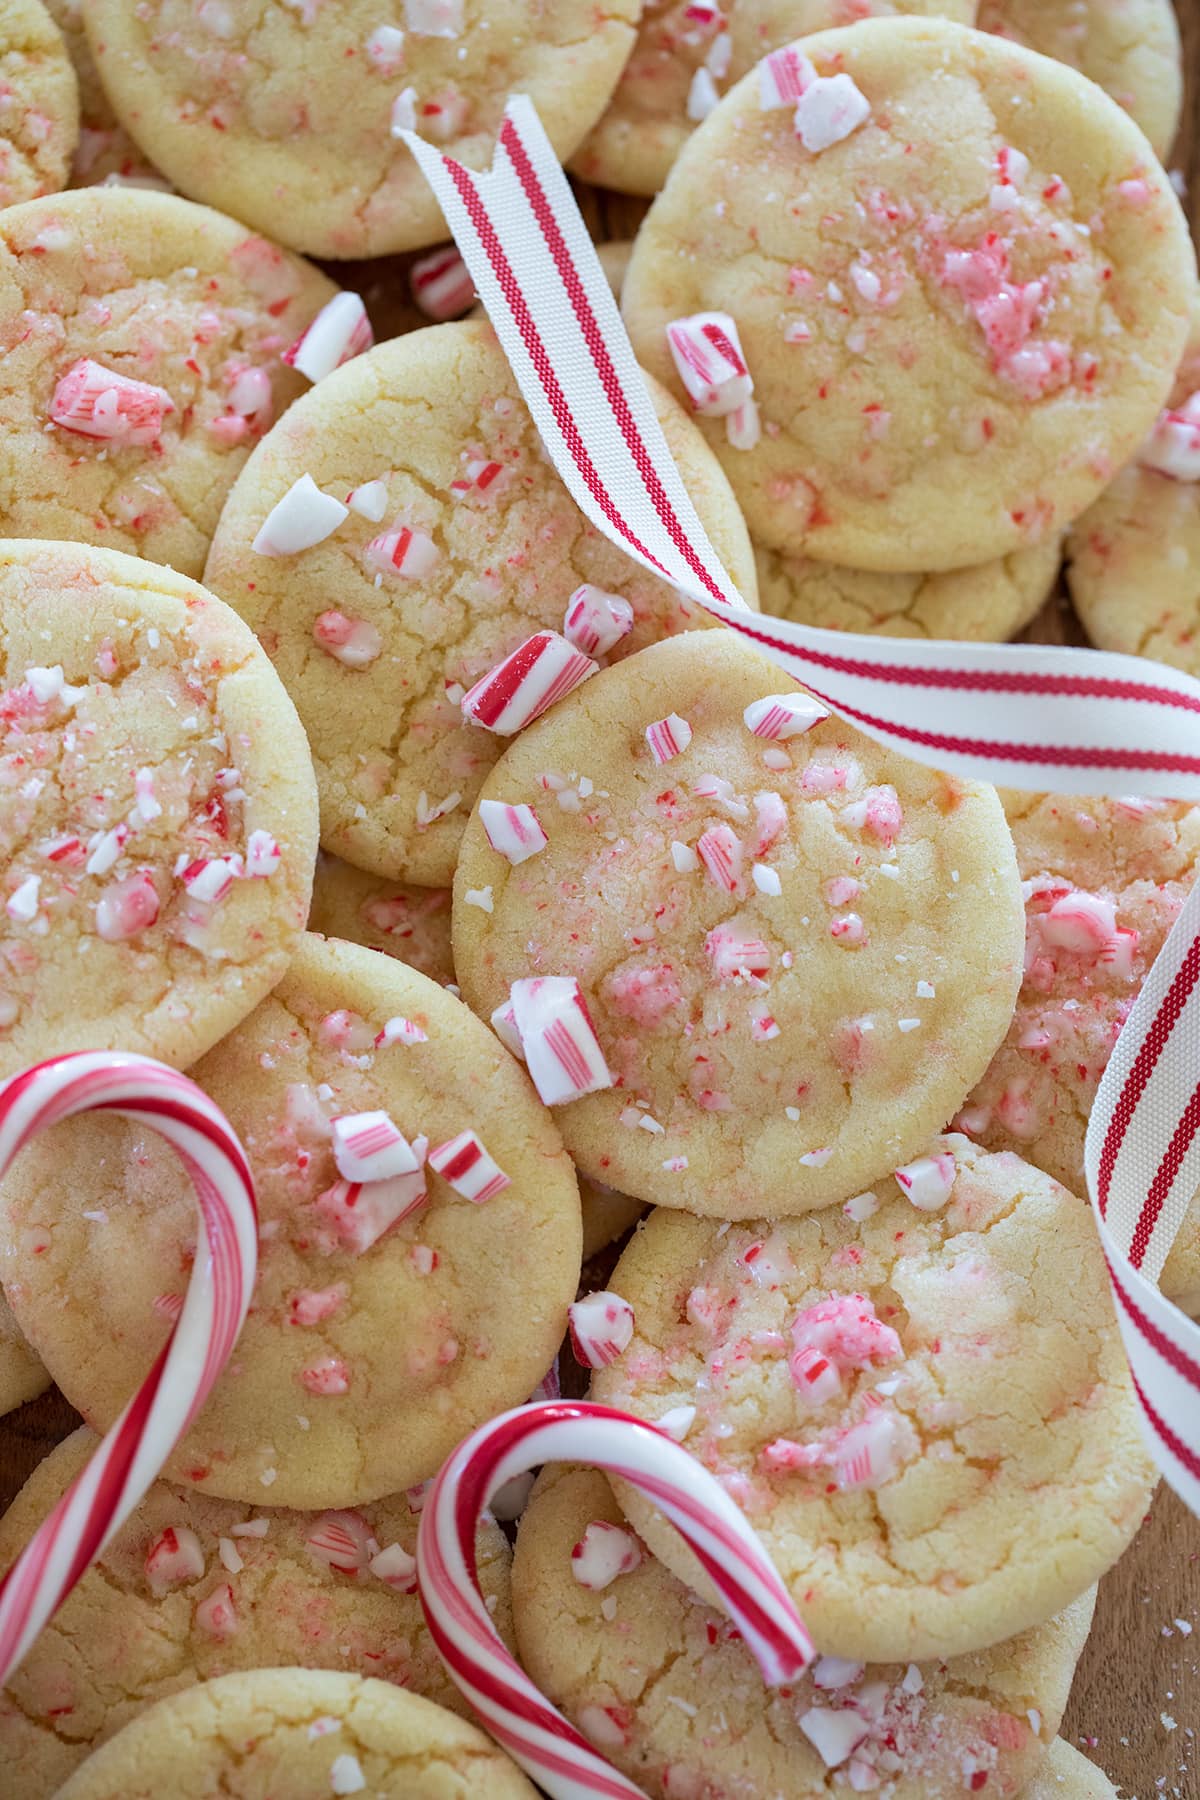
(400, 1031)
(361, 1212)
(340, 331)
(442, 286)
(96, 402)
(868, 1454)
(558, 1039)
(211, 878)
(216, 1614)
(783, 77)
(720, 850)
(737, 955)
(514, 831)
(480, 475)
(127, 908)
(596, 621)
(504, 1023)
(601, 1327)
(835, 1733)
(843, 1328)
(603, 1553)
(1084, 923)
(929, 1180)
(829, 109)
(404, 550)
(539, 672)
(707, 353)
(328, 1376)
(341, 1540)
(303, 517)
(668, 737)
(367, 1147)
(396, 1567)
(784, 715)
(1173, 447)
(369, 500)
(743, 426)
(464, 1162)
(815, 1375)
(175, 1557)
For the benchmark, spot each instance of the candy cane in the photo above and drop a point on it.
(551, 1751)
(130, 1456)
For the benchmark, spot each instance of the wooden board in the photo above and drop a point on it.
(1135, 1708)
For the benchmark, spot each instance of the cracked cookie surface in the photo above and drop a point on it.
(39, 103)
(966, 1462)
(770, 1051)
(960, 317)
(193, 1587)
(362, 1363)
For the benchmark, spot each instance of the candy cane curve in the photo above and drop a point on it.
(551, 1751)
(134, 1449)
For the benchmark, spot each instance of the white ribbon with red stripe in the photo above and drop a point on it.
(1070, 721)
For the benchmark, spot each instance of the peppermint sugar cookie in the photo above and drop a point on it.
(988, 603)
(948, 284)
(791, 946)
(144, 342)
(193, 1587)
(1130, 48)
(664, 1687)
(410, 923)
(607, 1215)
(290, 117)
(39, 103)
(157, 811)
(398, 1155)
(103, 150)
(305, 1734)
(687, 56)
(1104, 881)
(22, 1376)
(920, 1401)
(460, 545)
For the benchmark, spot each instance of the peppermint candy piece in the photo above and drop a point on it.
(465, 1164)
(359, 1213)
(601, 1328)
(603, 1553)
(96, 402)
(518, 690)
(340, 331)
(515, 831)
(828, 110)
(341, 1540)
(404, 550)
(782, 78)
(668, 737)
(369, 500)
(929, 1180)
(595, 621)
(441, 285)
(1173, 447)
(367, 1147)
(707, 354)
(720, 850)
(784, 715)
(173, 1559)
(396, 1567)
(434, 18)
(558, 1039)
(303, 517)
(385, 49)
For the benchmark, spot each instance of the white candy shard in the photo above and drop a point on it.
(400, 1031)
(596, 621)
(345, 1774)
(784, 715)
(263, 855)
(514, 831)
(442, 285)
(707, 354)
(677, 1422)
(668, 737)
(369, 501)
(303, 517)
(743, 426)
(22, 904)
(464, 1162)
(1173, 447)
(434, 18)
(929, 1180)
(834, 1734)
(385, 49)
(355, 643)
(603, 1553)
(558, 1039)
(96, 402)
(1082, 922)
(367, 1147)
(359, 1213)
(504, 1023)
(828, 110)
(340, 331)
(211, 878)
(404, 550)
(175, 1557)
(394, 1565)
(601, 1327)
(518, 690)
(703, 97)
(126, 908)
(404, 112)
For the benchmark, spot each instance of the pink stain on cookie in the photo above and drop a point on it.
(1008, 313)
(328, 1376)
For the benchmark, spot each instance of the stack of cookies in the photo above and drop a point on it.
(499, 897)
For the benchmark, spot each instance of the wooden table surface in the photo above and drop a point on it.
(1135, 1708)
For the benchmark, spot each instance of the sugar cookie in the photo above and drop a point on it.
(1066, 1774)
(988, 603)
(1104, 882)
(22, 1376)
(686, 57)
(794, 948)
(607, 1215)
(39, 103)
(103, 149)
(231, 110)
(143, 344)
(469, 544)
(407, 922)
(958, 279)
(302, 1733)
(193, 1587)
(921, 1403)
(157, 810)
(369, 1351)
(663, 1687)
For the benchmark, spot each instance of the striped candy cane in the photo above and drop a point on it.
(134, 1450)
(550, 1749)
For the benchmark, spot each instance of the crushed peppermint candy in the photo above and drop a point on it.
(1173, 447)
(303, 517)
(601, 1327)
(359, 1213)
(442, 285)
(400, 1031)
(96, 402)
(369, 500)
(604, 1553)
(720, 851)
(514, 831)
(929, 1181)
(707, 354)
(127, 908)
(174, 1558)
(368, 1147)
(340, 331)
(404, 550)
(668, 737)
(396, 1567)
(435, 18)
(404, 112)
(345, 1774)
(464, 1162)
(830, 109)
(518, 690)
(558, 1040)
(784, 715)
(341, 1540)
(595, 621)
(385, 49)
(782, 77)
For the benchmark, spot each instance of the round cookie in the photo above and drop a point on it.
(499, 556)
(665, 1689)
(412, 924)
(770, 1052)
(1130, 48)
(607, 1215)
(987, 604)
(369, 1351)
(1133, 558)
(305, 1734)
(1104, 882)
(960, 315)
(148, 289)
(685, 57)
(235, 1588)
(924, 1410)
(103, 150)
(230, 109)
(157, 810)
(39, 103)
(22, 1376)
(1066, 1774)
